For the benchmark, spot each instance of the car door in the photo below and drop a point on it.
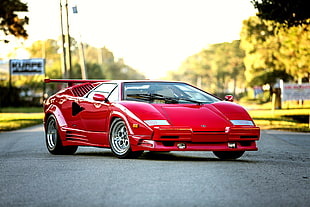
(94, 115)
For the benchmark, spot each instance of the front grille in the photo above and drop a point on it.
(246, 143)
(249, 137)
(169, 137)
(168, 143)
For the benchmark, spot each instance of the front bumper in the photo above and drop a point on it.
(185, 139)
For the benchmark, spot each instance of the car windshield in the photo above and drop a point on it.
(166, 92)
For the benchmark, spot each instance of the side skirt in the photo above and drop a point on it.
(78, 137)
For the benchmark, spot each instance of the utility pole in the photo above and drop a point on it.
(68, 39)
(64, 58)
(82, 61)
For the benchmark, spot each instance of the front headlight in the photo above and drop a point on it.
(156, 122)
(242, 122)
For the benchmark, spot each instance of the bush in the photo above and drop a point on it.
(9, 96)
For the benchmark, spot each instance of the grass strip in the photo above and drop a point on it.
(282, 119)
(13, 121)
(13, 118)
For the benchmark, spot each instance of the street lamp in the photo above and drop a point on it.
(81, 50)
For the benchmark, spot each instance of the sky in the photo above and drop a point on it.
(152, 36)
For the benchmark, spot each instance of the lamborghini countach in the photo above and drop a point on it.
(131, 117)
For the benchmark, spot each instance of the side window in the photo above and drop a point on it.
(104, 88)
(114, 95)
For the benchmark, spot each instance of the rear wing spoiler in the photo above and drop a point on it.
(71, 82)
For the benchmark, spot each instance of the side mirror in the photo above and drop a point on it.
(100, 97)
(229, 98)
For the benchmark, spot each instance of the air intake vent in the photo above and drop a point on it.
(74, 136)
(82, 89)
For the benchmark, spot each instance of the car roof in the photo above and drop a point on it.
(72, 82)
(141, 81)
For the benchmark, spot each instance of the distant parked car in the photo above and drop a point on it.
(135, 116)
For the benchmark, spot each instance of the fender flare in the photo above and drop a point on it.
(60, 120)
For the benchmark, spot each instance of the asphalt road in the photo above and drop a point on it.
(277, 175)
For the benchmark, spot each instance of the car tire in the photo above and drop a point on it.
(120, 142)
(53, 141)
(228, 155)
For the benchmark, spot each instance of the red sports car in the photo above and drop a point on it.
(135, 116)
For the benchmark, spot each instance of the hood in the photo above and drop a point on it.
(200, 118)
(208, 117)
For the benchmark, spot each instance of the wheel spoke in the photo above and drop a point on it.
(53, 141)
(119, 138)
(51, 134)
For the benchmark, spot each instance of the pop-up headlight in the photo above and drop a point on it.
(156, 122)
(242, 122)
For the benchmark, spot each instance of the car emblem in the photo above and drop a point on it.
(203, 125)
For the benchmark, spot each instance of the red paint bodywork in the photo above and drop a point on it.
(204, 127)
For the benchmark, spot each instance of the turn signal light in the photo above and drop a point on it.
(135, 126)
(146, 143)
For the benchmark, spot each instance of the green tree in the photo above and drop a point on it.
(236, 66)
(262, 46)
(48, 49)
(294, 52)
(228, 66)
(219, 66)
(120, 71)
(275, 53)
(195, 69)
(218, 69)
(10, 23)
(100, 62)
(286, 12)
(94, 71)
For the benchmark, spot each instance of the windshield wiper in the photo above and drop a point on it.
(153, 96)
(147, 96)
(190, 100)
(144, 95)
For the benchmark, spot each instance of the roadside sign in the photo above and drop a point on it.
(27, 66)
(295, 91)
